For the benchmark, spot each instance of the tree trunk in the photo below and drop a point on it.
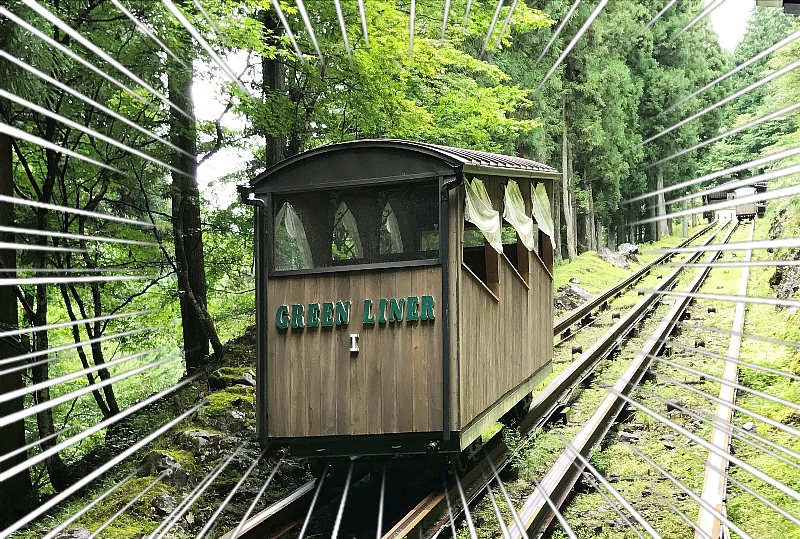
(274, 81)
(16, 492)
(684, 223)
(653, 228)
(557, 220)
(663, 225)
(198, 328)
(598, 228)
(591, 234)
(569, 216)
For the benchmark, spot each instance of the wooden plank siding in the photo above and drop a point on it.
(505, 334)
(394, 384)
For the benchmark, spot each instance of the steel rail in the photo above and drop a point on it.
(715, 480)
(579, 313)
(286, 514)
(431, 511)
(536, 513)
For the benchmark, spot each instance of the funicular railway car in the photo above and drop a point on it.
(730, 191)
(404, 296)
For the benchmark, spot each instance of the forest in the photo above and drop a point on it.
(120, 263)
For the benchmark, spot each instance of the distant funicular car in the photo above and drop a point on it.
(731, 191)
(404, 296)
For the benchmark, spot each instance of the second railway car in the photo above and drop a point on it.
(404, 296)
(729, 191)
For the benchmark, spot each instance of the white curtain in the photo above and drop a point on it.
(348, 220)
(514, 213)
(479, 212)
(541, 211)
(393, 228)
(294, 228)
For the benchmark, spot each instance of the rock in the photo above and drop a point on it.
(669, 445)
(776, 227)
(613, 258)
(786, 279)
(74, 533)
(628, 437)
(248, 378)
(217, 381)
(629, 251)
(575, 280)
(203, 444)
(569, 297)
(157, 462)
(749, 426)
(164, 505)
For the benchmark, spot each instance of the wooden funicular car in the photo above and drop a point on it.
(404, 296)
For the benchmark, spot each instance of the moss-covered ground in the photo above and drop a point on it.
(687, 403)
(213, 420)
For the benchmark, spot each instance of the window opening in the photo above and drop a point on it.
(390, 240)
(367, 224)
(292, 250)
(483, 235)
(346, 244)
(544, 218)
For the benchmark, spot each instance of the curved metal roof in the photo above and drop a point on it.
(456, 159)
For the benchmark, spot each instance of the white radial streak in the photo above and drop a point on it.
(222, 64)
(12, 418)
(362, 12)
(13, 132)
(73, 211)
(149, 33)
(491, 27)
(505, 24)
(557, 32)
(70, 346)
(310, 29)
(782, 43)
(343, 27)
(80, 237)
(784, 70)
(276, 4)
(56, 45)
(48, 248)
(36, 329)
(572, 43)
(654, 19)
(82, 128)
(10, 395)
(753, 123)
(73, 280)
(791, 191)
(707, 11)
(46, 14)
(90, 101)
(94, 429)
(731, 170)
(46, 506)
(767, 176)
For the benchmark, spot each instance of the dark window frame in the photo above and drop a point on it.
(273, 209)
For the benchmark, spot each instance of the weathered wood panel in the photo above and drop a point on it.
(505, 336)
(504, 340)
(394, 384)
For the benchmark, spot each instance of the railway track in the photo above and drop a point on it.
(563, 327)
(432, 515)
(536, 513)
